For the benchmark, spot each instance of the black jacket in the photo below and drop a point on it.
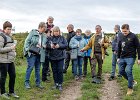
(69, 36)
(57, 54)
(129, 46)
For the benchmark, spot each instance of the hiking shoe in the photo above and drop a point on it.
(39, 86)
(13, 95)
(129, 91)
(55, 86)
(135, 83)
(98, 81)
(27, 86)
(60, 87)
(76, 78)
(94, 80)
(111, 78)
(5, 96)
(119, 76)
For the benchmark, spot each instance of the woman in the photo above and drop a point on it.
(57, 45)
(87, 53)
(7, 57)
(76, 44)
(34, 51)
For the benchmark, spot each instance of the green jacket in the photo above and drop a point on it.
(32, 39)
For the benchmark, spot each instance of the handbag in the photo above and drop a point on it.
(74, 54)
(34, 50)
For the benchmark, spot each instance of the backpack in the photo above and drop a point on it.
(5, 39)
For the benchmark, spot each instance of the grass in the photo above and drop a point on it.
(90, 91)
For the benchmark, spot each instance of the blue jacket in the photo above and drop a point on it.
(116, 40)
(74, 45)
(88, 52)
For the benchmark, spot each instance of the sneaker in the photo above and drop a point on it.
(27, 86)
(111, 78)
(94, 80)
(76, 78)
(60, 87)
(55, 86)
(129, 91)
(5, 96)
(135, 83)
(98, 81)
(119, 76)
(13, 95)
(39, 86)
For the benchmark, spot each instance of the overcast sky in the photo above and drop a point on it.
(85, 14)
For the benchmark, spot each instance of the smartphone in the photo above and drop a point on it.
(54, 43)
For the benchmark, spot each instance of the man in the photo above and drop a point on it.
(99, 44)
(70, 34)
(34, 51)
(117, 38)
(46, 69)
(7, 58)
(127, 48)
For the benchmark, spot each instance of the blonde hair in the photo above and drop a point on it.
(56, 28)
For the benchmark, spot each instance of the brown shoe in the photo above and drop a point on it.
(129, 91)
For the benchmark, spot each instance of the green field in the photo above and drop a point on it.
(89, 90)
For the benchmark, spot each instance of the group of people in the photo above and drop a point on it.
(46, 45)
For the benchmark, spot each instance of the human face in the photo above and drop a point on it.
(8, 30)
(88, 33)
(43, 29)
(98, 29)
(50, 21)
(56, 33)
(78, 33)
(115, 29)
(70, 29)
(125, 32)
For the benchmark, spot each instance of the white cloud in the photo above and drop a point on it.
(85, 14)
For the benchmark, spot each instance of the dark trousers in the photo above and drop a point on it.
(94, 61)
(45, 68)
(10, 68)
(86, 58)
(67, 61)
(57, 68)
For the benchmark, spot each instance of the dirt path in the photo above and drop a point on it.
(72, 92)
(111, 90)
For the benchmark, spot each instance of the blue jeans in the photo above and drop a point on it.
(114, 62)
(77, 64)
(57, 68)
(33, 61)
(126, 67)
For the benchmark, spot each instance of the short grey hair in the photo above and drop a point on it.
(50, 17)
(42, 24)
(70, 25)
(88, 31)
(118, 27)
